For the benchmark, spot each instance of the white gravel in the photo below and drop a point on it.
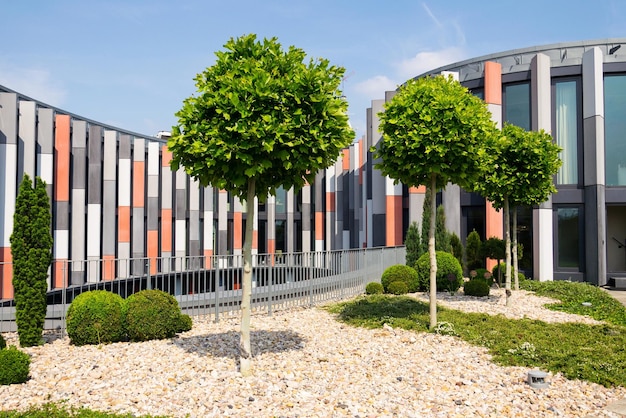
(307, 364)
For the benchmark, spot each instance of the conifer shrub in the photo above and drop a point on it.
(185, 323)
(374, 288)
(31, 248)
(398, 288)
(449, 272)
(3, 343)
(402, 273)
(96, 317)
(473, 251)
(476, 287)
(14, 366)
(152, 315)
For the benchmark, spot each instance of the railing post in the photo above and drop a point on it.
(310, 279)
(270, 278)
(218, 277)
(148, 281)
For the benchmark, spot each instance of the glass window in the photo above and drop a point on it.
(568, 250)
(615, 129)
(280, 236)
(566, 130)
(281, 200)
(517, 104)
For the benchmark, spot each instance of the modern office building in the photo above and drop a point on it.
(577, 92)
(114, 196)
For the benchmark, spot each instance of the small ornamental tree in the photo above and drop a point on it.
(263, 118)
(434, 131)
(31, 248)
(412, 244)
(523, 166)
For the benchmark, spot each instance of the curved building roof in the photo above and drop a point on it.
(518, 60)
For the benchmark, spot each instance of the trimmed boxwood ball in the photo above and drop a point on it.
(374, 288)
(402, 273)
(398, 288)
(96, 317)
(14, 366)
(476, 287)
(152, 315)
(185, 323)
(449, 272)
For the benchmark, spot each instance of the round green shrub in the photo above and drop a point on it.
(398, 288)
(449, 272)
(402, 273)
(3, 343)
(502, 266)
(184, 323)
(14, 366)
(374, 288)
(152, 315)
(476, 287)
(96, 317)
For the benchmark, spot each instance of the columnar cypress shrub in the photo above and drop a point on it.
(442, 236)
(425, 223)
(31, 248)
(473, 253)
(412, 244)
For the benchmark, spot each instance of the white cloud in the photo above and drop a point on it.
(429, 60)
(34, 83)
(376, 86)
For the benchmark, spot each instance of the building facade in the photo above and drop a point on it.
(114, 196)
(577, 92)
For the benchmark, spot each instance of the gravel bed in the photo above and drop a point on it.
(307, 364)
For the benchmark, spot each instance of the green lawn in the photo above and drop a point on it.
(52, 410)
(578, 351)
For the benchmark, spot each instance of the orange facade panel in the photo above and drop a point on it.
(139, 182)
(393, 220)
(123, 229)
(319, 225)
(493, 83)
(237, 230)
(108, 267)
(62, 159)
(346, 159)
(6, 273)
(153, 250)
(166, 230)
(493, 227)
(166, 157)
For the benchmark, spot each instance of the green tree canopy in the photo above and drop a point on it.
(263, 118)
(434, 125)
(434, 132)
(261, 114)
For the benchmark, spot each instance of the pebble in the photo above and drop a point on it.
(307, 364)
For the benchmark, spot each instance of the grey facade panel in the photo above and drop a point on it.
(379, 230)
(8, 118)
(61, 215)
(595, 235)
(153, 213)
(108, 219)
(94, 185)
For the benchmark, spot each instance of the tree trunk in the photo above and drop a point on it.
(514, 249)
(245, 353)
(507, 248)
(431, 252)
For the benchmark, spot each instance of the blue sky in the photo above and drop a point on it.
(130, 63)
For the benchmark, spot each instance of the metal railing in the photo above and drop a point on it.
(211, 286)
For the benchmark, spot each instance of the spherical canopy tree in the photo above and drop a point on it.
(434, 132)
(263, 118)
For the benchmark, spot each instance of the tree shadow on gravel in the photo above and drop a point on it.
(226, 344)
